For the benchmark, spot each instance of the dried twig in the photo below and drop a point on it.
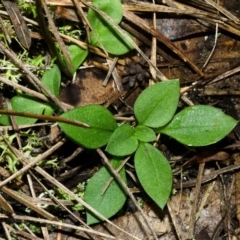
(57, 223)
(44, 117)
(30, 91)
(59, 40)
(160, 37)
(196, 200)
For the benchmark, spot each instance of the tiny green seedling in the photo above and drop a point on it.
(103, 33)
(154, 111)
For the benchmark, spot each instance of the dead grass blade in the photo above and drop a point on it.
(19, 23)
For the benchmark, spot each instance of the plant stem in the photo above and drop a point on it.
(44, 117)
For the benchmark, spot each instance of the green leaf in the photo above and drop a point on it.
(154, 173)
(102, 125)
(122, 141)
(52, 79)
(156, 105)
(109, 203)
(144, 134)
(111, 39)
(199, 125)
(113, 8)
(78, 55)
(28, 104)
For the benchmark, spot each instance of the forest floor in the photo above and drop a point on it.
(195, 41)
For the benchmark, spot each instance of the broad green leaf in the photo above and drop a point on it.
(52, 79)
(109, 203)
(102, 125)
(144, 134)
(156, 105)
(154, 173)
(113, 8)
(199, 125)
(109, 37)
(78, 55)
(122, 141)
(26, 104)
(112, 41)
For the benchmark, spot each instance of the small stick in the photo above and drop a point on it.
(9, 128)
(31, 77)
(113, 70)
(56, 223)
(225, 75)
(223, 11)
(30, 91)
(20, 198)
(209, 177)
(31, 163)
(54, 199)
(5, 31)
(196, 200)
(160, 37)
(14, 125)
(214, 47)
(88, 25)
(58, 39)
(44, 117)
(112, 178)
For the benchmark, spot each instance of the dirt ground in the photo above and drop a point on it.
(196, 41)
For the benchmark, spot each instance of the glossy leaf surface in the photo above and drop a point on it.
(156, 105)
(122, 141)
(112, 41)
(27, 104)
(113, 8)
(52, 79)
(109, 37)
(144, 134)
(199, 125)
(154, 173)
(109, 203)
(78, 55)
(102, 125)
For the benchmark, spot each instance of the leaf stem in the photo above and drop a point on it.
(44, 117)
